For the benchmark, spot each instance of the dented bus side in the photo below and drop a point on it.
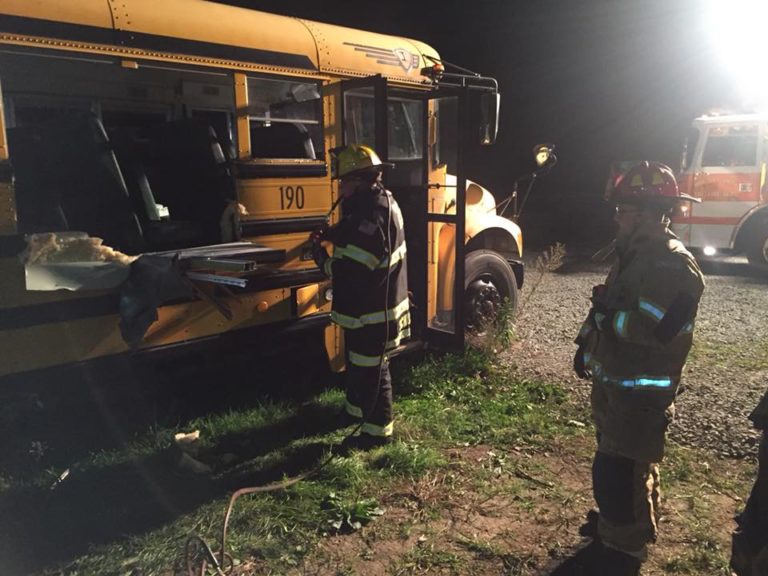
(142, 125)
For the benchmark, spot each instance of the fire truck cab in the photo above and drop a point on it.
(724, 164)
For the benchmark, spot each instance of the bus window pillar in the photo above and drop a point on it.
(7, 195)
(243, 119)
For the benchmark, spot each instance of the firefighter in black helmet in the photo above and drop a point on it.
(370, 288)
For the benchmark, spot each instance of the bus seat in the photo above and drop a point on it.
(190, 174)
(68, 167)
(160, 233)
(282, 140)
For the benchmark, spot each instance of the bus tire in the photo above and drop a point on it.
(489, 285)
(757, 249)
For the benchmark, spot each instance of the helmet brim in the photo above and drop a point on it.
(378, 167)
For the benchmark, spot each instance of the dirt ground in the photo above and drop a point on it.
(519, 523)
(521, 517)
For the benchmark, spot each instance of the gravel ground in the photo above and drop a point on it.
(727, 370)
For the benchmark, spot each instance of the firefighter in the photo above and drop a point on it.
(749, 553)
(633, 346)
(370, 288)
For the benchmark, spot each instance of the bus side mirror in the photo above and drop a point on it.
(544, 155)
(489, 117)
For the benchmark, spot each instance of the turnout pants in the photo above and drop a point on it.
(628, 495)
(749, 552)
(368, 381)
(631, 432)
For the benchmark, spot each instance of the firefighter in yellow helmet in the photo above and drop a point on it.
(633, 346)
(370, 288)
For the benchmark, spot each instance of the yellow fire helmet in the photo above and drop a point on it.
(355, 158)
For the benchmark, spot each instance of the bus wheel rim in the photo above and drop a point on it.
(483, 300)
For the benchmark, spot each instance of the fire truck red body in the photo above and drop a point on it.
(724, 164)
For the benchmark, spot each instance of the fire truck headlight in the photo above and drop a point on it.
(328, 295)
(709, 251)
(682, 210)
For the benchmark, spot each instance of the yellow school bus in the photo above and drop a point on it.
(200, 133)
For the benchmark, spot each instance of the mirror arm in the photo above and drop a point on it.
(519, 211)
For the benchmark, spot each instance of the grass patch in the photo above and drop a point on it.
(751, 355)
(706, 556)
(464, 399)
(130, 510)
(426, 558)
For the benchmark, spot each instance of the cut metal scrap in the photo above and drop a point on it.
(221, 264)
(217, 279)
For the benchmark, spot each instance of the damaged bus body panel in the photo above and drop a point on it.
(198, 155)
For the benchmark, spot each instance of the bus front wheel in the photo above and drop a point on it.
(757, 250)
(490, 288)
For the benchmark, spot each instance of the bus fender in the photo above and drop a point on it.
(493, 232)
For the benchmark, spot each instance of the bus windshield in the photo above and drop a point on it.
(730, 146)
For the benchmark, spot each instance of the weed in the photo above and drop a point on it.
(349, 516)
(482, 549)
(547, 262)
(345, 473)
(706, 557)
(516, 565)
(678, 464)
(412, 460)
(425, 558)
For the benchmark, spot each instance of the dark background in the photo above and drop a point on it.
(604, 80)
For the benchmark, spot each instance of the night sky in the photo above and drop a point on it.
(604, 80)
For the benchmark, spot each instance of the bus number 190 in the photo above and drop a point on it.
(291, 197)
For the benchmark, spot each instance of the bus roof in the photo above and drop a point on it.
(214, 34)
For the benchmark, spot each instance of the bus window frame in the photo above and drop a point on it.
(395, 95)
(249, 167)
(318, 120)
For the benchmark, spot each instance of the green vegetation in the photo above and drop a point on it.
(473, 440)
(751, 356)
(704, 556)
(465, 399)
(137, 508)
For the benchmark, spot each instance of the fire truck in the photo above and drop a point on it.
(724, 164)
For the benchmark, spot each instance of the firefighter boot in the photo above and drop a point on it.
(344, 419)
(618, 563)
(364, 442)
(589, 528)
(583, 562)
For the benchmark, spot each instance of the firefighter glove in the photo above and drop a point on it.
(319, 253)
(598, 299)
(319, 234)
(579, 366)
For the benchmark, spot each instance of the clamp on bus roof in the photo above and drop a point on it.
(461, 78)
